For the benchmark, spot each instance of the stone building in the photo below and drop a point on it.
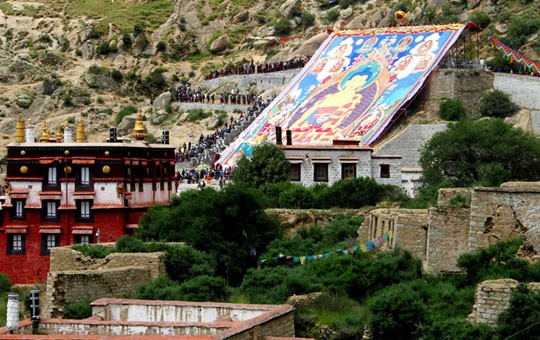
(312, 164)
(463, 221)
(62, 191)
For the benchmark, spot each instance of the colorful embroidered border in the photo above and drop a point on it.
(515, 57)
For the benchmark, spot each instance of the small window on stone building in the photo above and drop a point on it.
(348, 170)
(82, 239)
(50, 210)
(385, 170)
(84, 213)
(295, 172)
(320, 171)
(18, 209)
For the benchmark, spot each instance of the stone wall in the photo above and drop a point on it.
(448, 230)
(492, 297)
(74, 277)
(409, 228)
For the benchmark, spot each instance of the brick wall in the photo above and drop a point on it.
(492, 297)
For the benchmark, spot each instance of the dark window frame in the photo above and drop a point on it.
(78, 238)
(10, 243)
(78, 214)
(79, 186)
(385, 171)
(295, 172)
(45, 210)
(47, 186)
(13, 215)
(45, 250)
(348, 165)
(320, 172)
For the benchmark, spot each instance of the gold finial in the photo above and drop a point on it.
(45, 135)
(80, 137)
(20, 134)
(138, 130)
(59, 136)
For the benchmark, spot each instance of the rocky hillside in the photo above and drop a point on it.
(67, 60)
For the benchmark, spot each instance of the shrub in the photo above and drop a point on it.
(298, 196)
(204, 288)
(94, 251)
(116, 75)
(332, 15)
(522, 315)
(78, 310)
(480, 18)
(161, 288)
(125, 111)
(197, 114)
(308, 19)
(104, 48)
(184, 263)
(496, 104)
(451, 109)
(161, 46)
(282, 27)
(5, 283)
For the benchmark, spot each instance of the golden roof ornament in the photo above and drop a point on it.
(59, 136)
(80, 136)
(45, 135)
(138, 131)
(20, 133)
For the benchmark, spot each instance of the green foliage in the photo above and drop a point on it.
(125, 111)
(184, 263)
(308, 19)
(496, 261)
(161, 288)
(351, 193)
(480, 18)
(332, 15)
(266, 165)
(522, 317)
(496, 104)
(117, 76)
(78, 310)
(154, 83)
(230, 225)
(282, 27)
(94, 251)
(519, 30)
(487, 152)
(396, 313)
(451, 109)
(204, 288)
(104, 48)
(5, 284)
(161, 46)
(297, 196)
(197, 114)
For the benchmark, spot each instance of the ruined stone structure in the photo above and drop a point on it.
(75, 277)
(492, 298)
(463, 221)
(143, 319)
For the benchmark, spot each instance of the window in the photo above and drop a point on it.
(48, 241)
(52, 178)
(385, 170)
(83, 210)
(85, 176)
(348, 170)
(18, 209)
(16, 244)
(82, 239)
(50, 210)
(294, 172)
(320, 171)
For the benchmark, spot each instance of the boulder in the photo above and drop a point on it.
(86, 33)
(242, 16)
(220, 44)
(8, 126)
(345, 13)
(159, 117)
(87, 50)
(139, 44)
(212, 123)
(289, 8)
(161, 102)
(127, 123)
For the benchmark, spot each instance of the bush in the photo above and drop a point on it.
(184, 263)
(308, 19)
(161, 46)
(78, 310)
(496, 104)
(116, 75)
(480, 18)
(5, 283)
(332, 15)
(161, 288)
(94, 251)
(104, 48)
(125, 111)
(522, 315)
(204, 288)
(282, 27)
(197, 114)
(451, 109)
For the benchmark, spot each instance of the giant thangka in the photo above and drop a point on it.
(352, 87)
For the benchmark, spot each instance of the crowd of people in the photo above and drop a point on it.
(186, 94)
(252, 68)
(216, 140)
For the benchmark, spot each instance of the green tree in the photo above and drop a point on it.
(185, 262)
(485, 152)
(496, 104)
(267, 165)
(230, 225)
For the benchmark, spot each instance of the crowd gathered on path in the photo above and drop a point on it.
(253, 68)
(186, 94)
